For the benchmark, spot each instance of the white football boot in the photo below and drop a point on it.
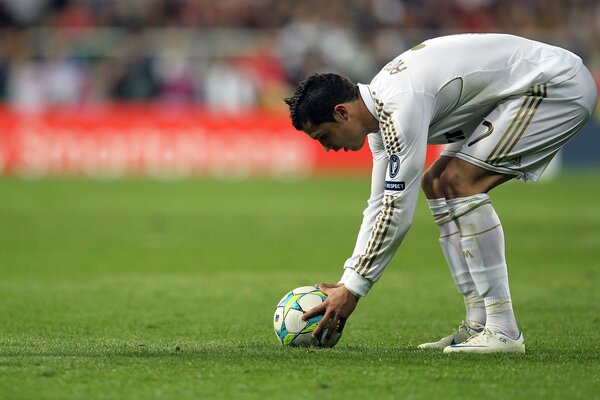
(488, 342)
(464, 332)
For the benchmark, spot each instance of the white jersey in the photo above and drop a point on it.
(433, 93)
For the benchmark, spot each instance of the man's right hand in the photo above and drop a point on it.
(336, 309)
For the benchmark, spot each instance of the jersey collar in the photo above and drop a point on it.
(365, 93)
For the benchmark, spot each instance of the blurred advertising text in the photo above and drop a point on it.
(148, 140)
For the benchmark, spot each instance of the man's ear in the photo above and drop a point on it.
(341, 112)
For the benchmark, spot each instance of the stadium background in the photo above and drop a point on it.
(183, 87)
(118, 282)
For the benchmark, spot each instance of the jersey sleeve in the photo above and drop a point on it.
(398, 161)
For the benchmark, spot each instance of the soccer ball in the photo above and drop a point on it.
(290, 329)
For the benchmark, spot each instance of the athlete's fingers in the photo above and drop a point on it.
(317, 310)
(323, 324)
(332, 327)
(326, 287)
(341, 324)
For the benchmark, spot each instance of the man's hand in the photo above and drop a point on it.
(335, 309)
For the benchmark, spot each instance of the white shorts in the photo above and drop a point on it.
(523, 133)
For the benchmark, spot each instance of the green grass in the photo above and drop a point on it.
(151, 290)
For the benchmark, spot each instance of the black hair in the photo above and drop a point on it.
(315, 97)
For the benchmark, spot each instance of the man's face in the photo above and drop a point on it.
(344, 135)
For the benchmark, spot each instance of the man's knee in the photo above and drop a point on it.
(429, 182)
(461, 179)
(453, 183)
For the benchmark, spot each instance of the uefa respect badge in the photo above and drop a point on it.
(394, 165)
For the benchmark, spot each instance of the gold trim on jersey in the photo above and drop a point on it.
(388, 130)
(384, 219)
(519, 124)
(395, 66)
(378, 234)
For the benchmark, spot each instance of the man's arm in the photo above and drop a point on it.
(394, 191)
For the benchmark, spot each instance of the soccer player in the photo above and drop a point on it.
(504, 105)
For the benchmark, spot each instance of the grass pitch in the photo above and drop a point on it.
(154, 290)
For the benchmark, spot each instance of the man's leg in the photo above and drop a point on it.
(451, 248)
(465, 187)
(518, 138)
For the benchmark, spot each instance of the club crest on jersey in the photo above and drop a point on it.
(394, 165)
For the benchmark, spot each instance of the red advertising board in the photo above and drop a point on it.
(119, 140)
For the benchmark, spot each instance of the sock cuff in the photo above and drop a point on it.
(463, 205)
(473, 301)
(433, 203)
(439, 210)
(494, 306)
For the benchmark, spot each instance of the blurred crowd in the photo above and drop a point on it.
(232, 54)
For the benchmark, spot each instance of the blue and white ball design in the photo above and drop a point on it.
(290, 329)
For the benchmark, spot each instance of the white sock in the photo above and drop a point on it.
(482, 242)
(476, 313)
(450, 244)
(500, 317)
